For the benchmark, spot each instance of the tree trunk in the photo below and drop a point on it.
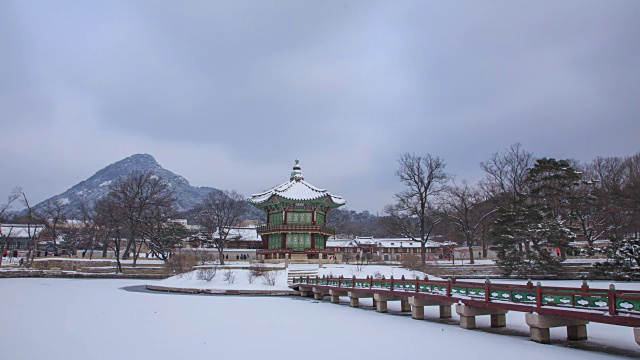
(423, 251)
(220, 255)
(127, 250)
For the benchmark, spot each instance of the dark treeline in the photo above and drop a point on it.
(527, 209)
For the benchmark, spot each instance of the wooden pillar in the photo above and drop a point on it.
(284, 241)
(313, 241)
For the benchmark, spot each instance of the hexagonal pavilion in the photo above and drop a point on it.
(296, 218)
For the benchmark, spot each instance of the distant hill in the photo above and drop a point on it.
(97, 186)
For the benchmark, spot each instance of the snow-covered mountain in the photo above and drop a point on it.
(97, 185)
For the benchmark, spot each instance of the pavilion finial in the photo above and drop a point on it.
(296, 174)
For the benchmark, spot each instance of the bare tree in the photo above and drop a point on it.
(143, 199)
(164, 236)
(109, 217)
(87, 236)
(5, 231)
(423, 177)
(33, 226)
(217, 213)
(506, 179)
(506, 173)
(54, 216)
(468, 208)
(404, 223)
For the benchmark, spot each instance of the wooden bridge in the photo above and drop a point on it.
(545, 306)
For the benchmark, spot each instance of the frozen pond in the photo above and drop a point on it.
(95, 319)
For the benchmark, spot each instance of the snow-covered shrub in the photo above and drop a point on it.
(229, 276)
(258, 269)
(207, 274)
(270, 277)
(377, 275)
(250, 277)
(255, 271)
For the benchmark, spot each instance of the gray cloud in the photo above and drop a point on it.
(227, 94)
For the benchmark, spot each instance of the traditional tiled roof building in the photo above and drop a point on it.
(296, 218)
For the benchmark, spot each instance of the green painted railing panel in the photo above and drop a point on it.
(476, 292)
(404, 286)
(558, 300)
(628, 305)
(500, 295)
(458, 290)
(591, 302)
(523, 296)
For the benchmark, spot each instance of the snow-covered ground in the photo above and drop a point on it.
(71, 319)
(241, 282)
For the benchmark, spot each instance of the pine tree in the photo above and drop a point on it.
(540, 219)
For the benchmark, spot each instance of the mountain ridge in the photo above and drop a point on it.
(96, 186)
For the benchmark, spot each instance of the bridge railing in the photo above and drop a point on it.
(615, 302)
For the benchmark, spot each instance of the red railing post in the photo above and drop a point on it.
(370, 282)
(417, 283)
(584, 287)
(487, 290)
(538, 295)
(391, 283)
(448, 287)
(353, 281)
(611, 299)
(340, 281)
(316, 279)
(307, 279)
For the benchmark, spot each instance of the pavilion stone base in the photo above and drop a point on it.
(636, 334)
(539, 326)
(298, 256)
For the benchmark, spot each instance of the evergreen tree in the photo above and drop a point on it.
(540, 218)
(623, 261)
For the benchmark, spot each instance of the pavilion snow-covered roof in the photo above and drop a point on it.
(296, 189)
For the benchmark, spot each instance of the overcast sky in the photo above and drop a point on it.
(229, 93)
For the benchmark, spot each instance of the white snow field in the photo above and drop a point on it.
(71, 319)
